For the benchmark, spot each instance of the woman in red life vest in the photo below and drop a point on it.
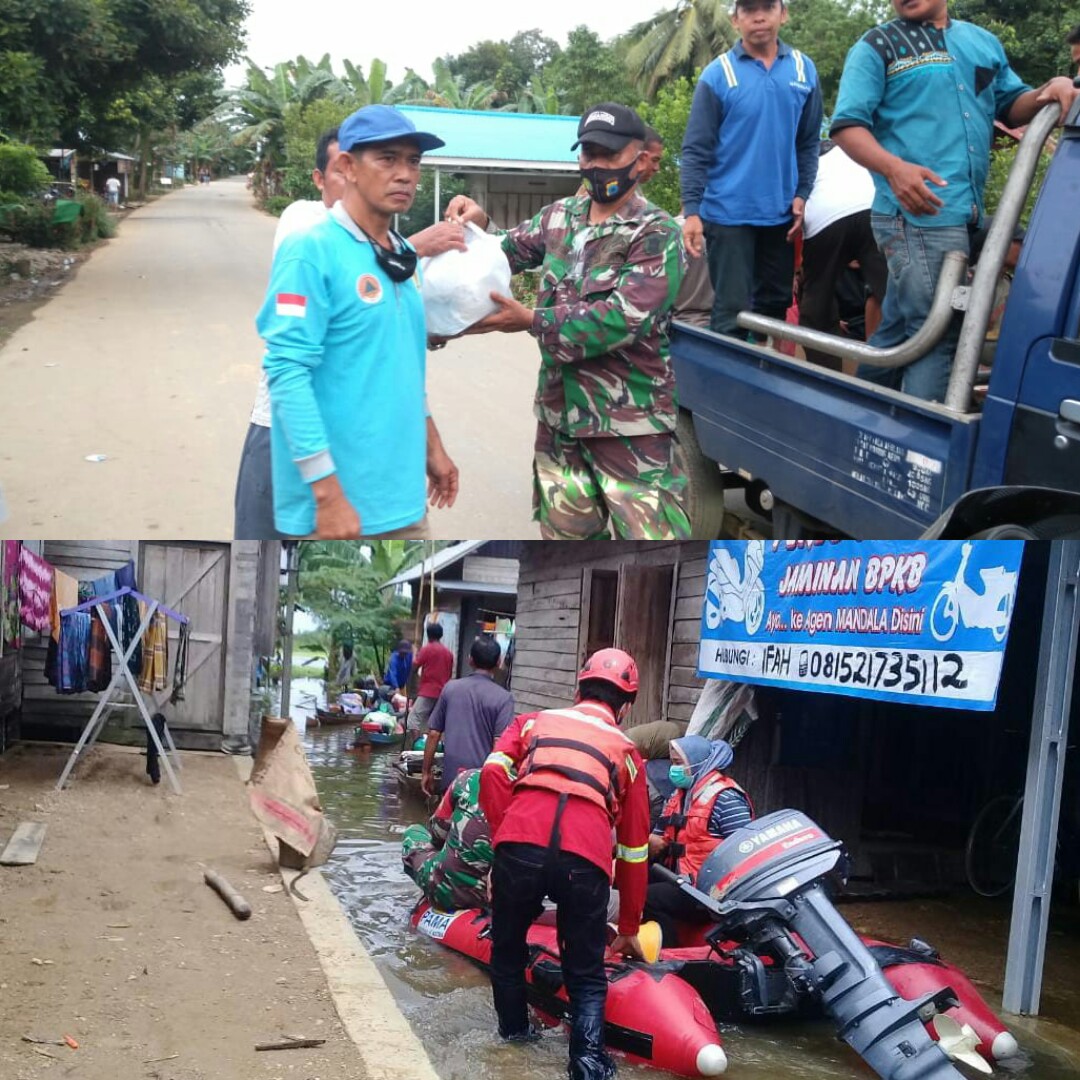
(553, 789)
(705, 809)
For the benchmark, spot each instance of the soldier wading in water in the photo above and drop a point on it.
(605, 459)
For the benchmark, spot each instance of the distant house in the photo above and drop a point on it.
(515, 163)
(475, 589)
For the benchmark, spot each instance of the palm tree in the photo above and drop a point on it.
(678, 42)
(450, 92)
(258, 109)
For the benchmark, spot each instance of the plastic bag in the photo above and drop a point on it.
(458, 284)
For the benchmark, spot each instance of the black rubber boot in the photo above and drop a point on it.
(588, 1058)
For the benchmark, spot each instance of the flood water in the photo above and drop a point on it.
(448, 1001)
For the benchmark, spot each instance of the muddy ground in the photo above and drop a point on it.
(28, 278)
(113, 939)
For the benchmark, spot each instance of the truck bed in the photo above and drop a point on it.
(868, 462)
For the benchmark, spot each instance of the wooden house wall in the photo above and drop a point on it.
(552, 618)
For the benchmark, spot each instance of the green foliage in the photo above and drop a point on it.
(588, 71)
(69, 67)
(1032, 31)
(1001, 161)
(507, 66)
(825, 30)
(94, 221)
(668, 114)
(422, 212)
(276, 204)
(21, 171)
(677, 42)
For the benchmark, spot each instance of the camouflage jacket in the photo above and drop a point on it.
(603, 306)
(458, 827)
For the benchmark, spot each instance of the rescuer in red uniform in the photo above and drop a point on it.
(553, 789)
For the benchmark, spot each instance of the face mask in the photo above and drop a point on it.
(399, 262)
(607, 185)
(680, 776)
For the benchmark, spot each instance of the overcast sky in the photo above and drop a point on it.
(405, 34)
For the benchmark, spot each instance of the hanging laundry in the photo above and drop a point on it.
(155, 667)
(65, 595)
(35, 590)
(9, 595)
(125, 576)
(180, 673)
(129, 618)
(74, 651)
(105, 585)
(99, 664)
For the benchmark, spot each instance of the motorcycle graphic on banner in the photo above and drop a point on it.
(922, 622)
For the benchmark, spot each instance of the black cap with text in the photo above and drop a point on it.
(609, 125)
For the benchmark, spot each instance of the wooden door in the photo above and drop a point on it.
(644, 620)
(192, 579)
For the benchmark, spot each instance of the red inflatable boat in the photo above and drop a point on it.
(913, 971)
(652, 1015)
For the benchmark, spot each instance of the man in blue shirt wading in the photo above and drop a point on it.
(343, 323)
(749, 160)
(925, 90)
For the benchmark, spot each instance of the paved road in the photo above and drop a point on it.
(150, 357)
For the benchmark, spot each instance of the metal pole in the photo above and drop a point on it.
(438, 195)
(1045, 773)
(293, 565)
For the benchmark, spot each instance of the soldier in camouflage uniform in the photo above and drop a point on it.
(606, 456)
(451, 863)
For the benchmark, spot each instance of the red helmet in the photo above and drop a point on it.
(613, 666)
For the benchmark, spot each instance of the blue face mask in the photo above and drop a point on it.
(680, 776)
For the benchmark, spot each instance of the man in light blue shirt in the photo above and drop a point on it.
(343, 323)
(927, 88)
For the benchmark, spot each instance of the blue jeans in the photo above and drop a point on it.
(914, 255)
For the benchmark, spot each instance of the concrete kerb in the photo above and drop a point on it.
(389, 1048)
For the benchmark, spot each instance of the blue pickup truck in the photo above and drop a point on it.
(821, 453)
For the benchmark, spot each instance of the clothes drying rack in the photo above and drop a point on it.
(123, 674)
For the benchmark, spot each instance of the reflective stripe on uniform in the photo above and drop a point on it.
(504, 761)
(632, 854)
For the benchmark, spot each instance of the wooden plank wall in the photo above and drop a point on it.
(85, 560)
(550, 610)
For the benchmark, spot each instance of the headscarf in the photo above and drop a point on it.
(703, 756)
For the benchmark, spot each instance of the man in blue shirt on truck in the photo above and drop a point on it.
(749, 160)
(924, 90)
(343, 322)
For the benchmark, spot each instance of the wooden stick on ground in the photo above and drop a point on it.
(292, 1044)
(237, 904)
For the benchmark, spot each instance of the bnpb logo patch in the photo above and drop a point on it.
(368, 288)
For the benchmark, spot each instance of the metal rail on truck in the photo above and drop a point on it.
(977, 301)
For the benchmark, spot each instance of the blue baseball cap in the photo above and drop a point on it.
(380, 124)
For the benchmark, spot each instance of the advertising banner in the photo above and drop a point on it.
(922, 622)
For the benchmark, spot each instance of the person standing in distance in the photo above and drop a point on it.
(435, 663)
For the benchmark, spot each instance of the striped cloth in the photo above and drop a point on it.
(35, 590)
(155, 655)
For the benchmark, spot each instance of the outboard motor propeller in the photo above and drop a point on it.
(765, 886)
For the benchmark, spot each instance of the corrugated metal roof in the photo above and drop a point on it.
(447, 557)
(498, 139)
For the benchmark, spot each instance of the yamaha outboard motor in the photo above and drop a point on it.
(765, 886)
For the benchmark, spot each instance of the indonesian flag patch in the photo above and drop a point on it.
(292, 304)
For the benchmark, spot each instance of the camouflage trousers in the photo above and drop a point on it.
(445, 890)
(586, 489)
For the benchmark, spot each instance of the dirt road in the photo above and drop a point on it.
(150, 358)
(112, 937)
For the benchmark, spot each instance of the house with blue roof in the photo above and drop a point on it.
(515, 163)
